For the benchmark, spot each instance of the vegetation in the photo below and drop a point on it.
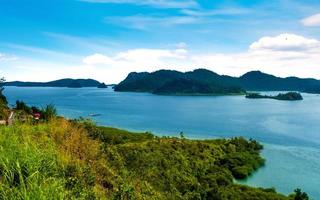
(61, 159)
(4, 110)
(47, 113)
(290, 96)
(57, 83)
(198, 82)
(204, 81)
(102, 85)
(75, 84)
(299, 195)
(78, 160)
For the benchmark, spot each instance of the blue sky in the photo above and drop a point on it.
(106, 39)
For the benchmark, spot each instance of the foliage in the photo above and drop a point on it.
(299, 195)
(4, 111)
(20, 105)
(290, 96)
(76, 159)
(68, 82)
(198, 82)
(47, 113)
(202, 80)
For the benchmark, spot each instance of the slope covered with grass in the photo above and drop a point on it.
(63, 159)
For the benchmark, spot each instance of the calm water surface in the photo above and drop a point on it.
(290, 131)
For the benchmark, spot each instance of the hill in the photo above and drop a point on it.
(259, 81)
(73, 83)
(203, 81)
(76, 159)
(64, 159)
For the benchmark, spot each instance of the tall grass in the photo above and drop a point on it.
(60, 159)
(28, 169)
(46, 161)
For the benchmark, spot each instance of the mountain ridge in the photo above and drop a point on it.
(203, 81)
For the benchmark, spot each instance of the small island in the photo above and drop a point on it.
(102, 86)
(290, 96)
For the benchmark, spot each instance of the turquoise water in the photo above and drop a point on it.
(290, 131)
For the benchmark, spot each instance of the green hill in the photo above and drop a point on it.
(55, 158)
(77, 160)
(73, 83)
(202, 81)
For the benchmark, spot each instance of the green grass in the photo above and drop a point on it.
(78, 160)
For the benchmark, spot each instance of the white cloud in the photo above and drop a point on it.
(286, 42)
(294, 56)
(5, 57)
(42, 51)
(181, 45)
(138, 58)
(215, 12)
(150, 54)
(313, 20)
(186, 17)
(153, 3)
(282, 55)
(144, 22)
(97, 59)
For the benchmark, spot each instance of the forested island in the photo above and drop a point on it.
(70, 83)
(205, 82)
(102, 86)
(167, 82)
(43, 155)
(290, 96)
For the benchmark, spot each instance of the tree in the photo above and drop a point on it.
(49, 112)
(3, 99)
(20, 105)
(299, 195)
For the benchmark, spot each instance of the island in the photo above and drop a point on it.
(75, 84)
(102, 86)
(290, 96)
(205, 82)
(71, 83)
(45, 155)
(167, 82)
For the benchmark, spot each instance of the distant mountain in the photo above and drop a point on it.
(72, 83)
(102, 86)
(198, 82)
(202, 81)
(257, 80)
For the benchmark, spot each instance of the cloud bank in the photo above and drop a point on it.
(282, 55)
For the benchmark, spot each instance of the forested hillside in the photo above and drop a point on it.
(202, 81)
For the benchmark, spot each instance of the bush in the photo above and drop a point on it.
(49, 112)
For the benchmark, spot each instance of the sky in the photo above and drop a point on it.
(43, 40)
